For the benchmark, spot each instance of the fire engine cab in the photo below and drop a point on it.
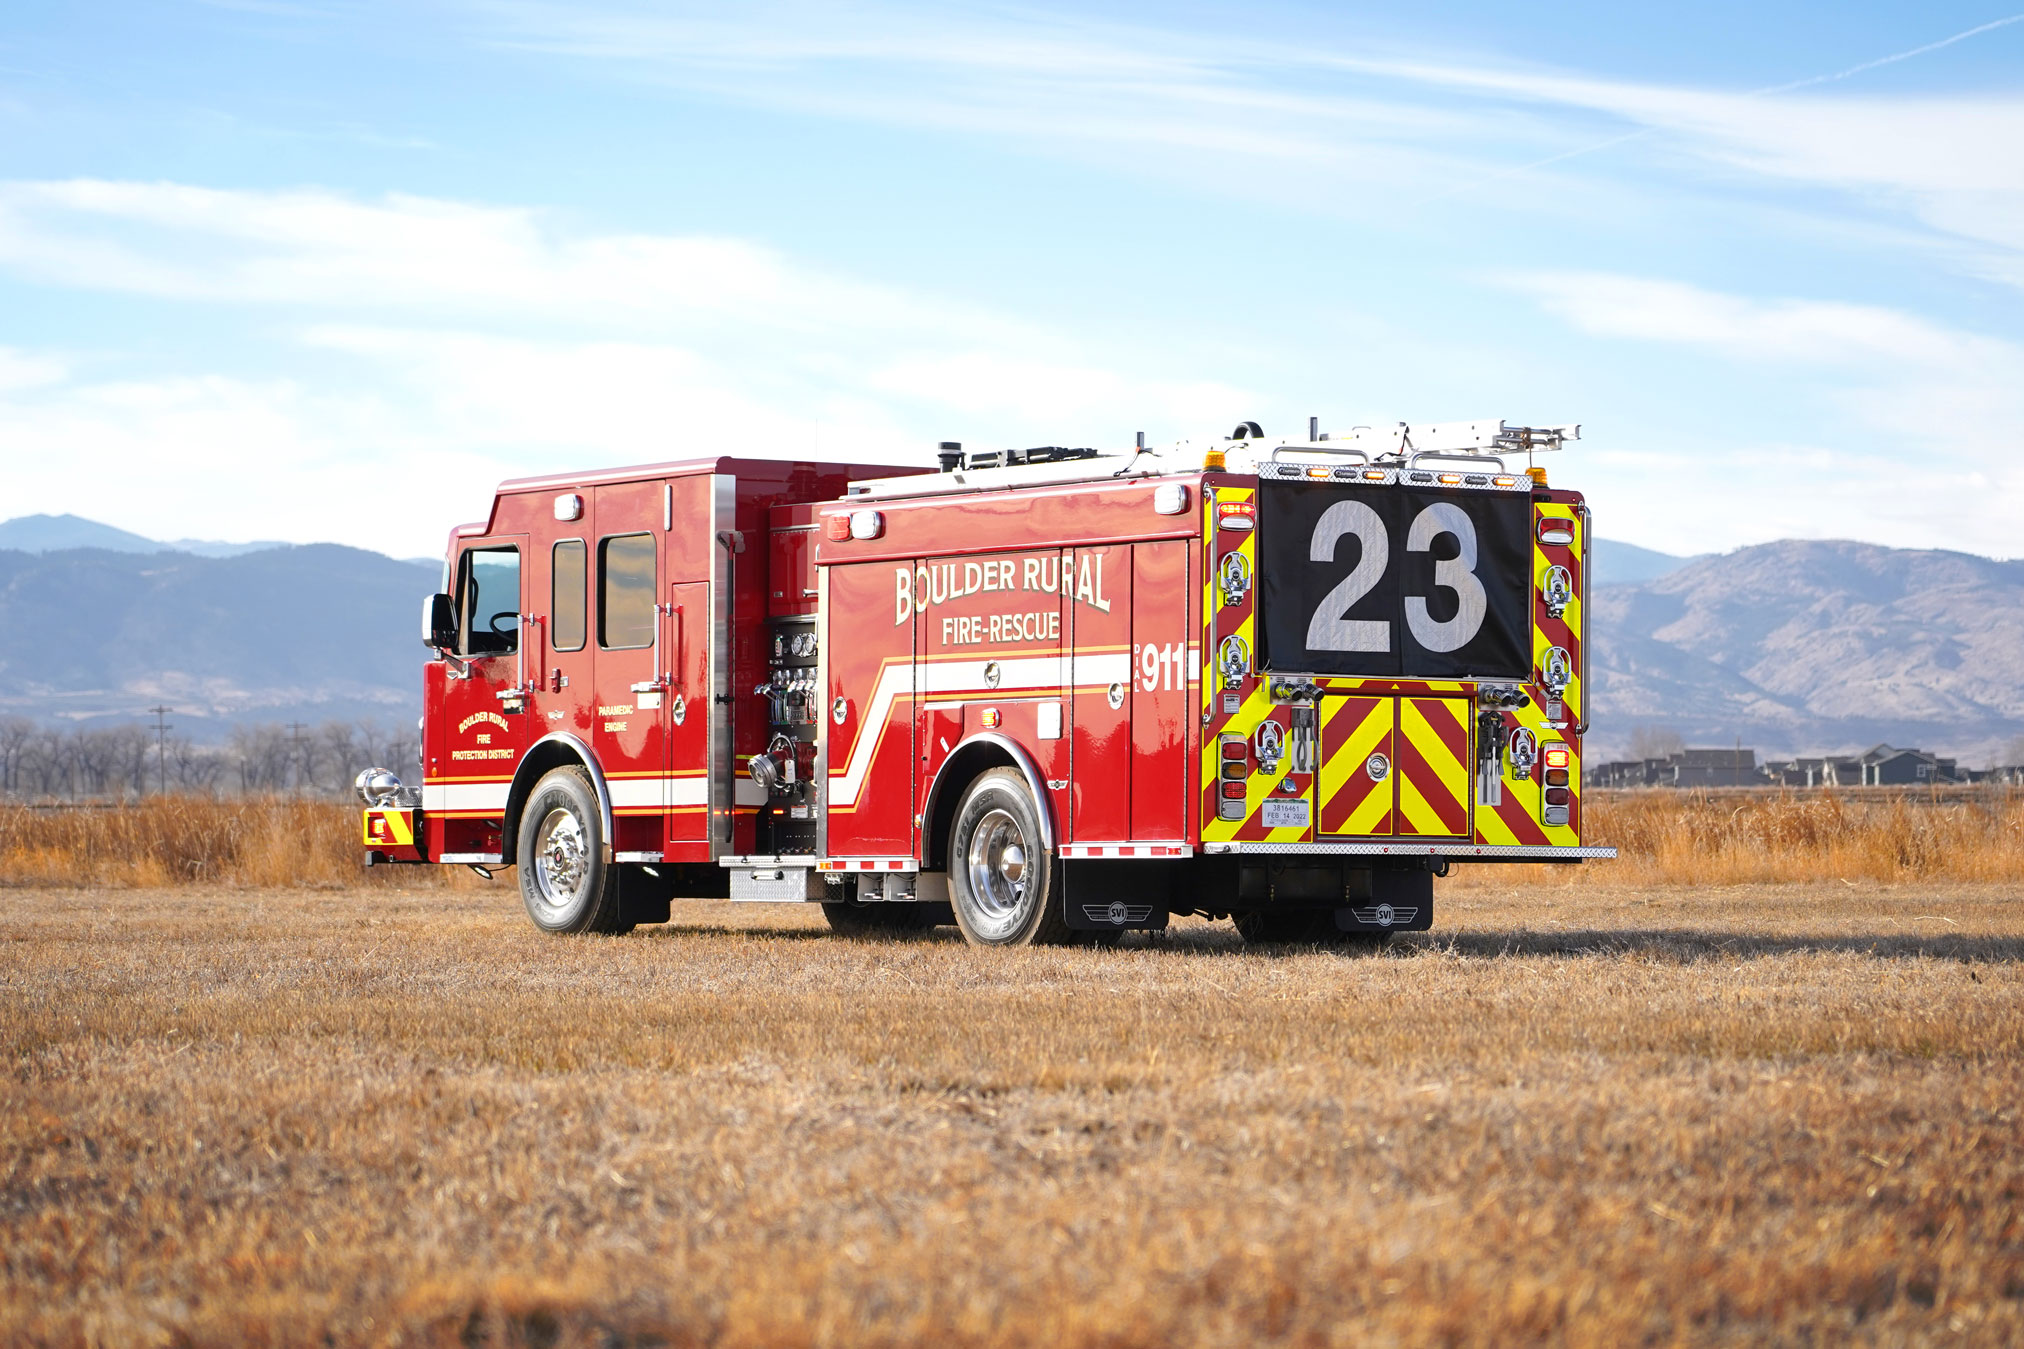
(1039, 694)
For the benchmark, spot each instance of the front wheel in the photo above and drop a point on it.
(1003, 882)
(565, 881)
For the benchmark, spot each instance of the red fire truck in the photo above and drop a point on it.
(1038, 694)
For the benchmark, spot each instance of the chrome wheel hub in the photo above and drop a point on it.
(995, 866)
(561, 858)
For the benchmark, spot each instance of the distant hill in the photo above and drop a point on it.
(54, 533)
(313, 632)
(1821, 646)
(1615, 563)
(1791, 647)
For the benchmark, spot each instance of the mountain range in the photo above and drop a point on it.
(1791, 647)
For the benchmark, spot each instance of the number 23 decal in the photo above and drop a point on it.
(1330, 630)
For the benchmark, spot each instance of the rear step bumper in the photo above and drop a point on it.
(1458, 851)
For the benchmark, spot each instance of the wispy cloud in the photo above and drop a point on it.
(1351, 125)
(1914, 439)
(452, 344)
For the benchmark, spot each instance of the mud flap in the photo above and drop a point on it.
(1114, 894)
(1400, 901)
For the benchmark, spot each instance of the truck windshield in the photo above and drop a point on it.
(488, 602)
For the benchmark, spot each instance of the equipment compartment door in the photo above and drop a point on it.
(1156, 690)
(1100, 655)
(868, 703)
(1434, 766)
(1357, 786)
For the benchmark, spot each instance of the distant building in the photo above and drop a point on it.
(1689, 768)
(1883, 766)
(1716, 768)
(1888, 767)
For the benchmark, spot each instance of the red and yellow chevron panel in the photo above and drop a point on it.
(389, 829)
(1515, 820)
(1356, 784)
(1564, 631)
(1433, 767)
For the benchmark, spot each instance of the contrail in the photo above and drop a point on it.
(1901, 56)
(1754, 93)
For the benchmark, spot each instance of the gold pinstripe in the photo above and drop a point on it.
(1371, 732)
(1417, 815)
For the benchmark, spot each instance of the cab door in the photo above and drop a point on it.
(685, 637)
(482, 729)
(629, 707)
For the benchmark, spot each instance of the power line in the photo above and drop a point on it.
(161, 749)
(295, 730)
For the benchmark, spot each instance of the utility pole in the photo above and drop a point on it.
(161, 750)
(295, 730)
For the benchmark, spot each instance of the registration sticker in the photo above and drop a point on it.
(1284, 814)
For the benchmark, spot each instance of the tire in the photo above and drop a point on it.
(565, 882)
(851, 919)
(1003, 882)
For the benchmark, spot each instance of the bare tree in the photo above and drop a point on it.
(16, 734)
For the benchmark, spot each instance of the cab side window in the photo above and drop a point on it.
(625, 591)
(568, 600)
(488, 602)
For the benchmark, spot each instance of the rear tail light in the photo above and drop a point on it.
(1233, 791)
(836, 528)
(1556, 531)
(1558, 796)
(1558, 756)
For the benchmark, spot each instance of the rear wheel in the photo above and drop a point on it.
(565, 882)
(1003, 882)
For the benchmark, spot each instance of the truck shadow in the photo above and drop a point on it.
(1689, 945)
(1666, 945)
(1673, 945)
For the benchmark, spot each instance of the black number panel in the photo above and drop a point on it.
(1393, 583)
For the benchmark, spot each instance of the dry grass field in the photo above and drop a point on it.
(1590, 1107)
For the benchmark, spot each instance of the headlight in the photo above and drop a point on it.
(376, 787)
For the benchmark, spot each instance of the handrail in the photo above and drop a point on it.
(1321, 447)
(1455, 457)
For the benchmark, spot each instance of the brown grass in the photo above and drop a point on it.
(1748, 837)
(1666, 838)
(1600, 1115)
(194, 840)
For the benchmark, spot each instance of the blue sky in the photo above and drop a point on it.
(329, 270)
